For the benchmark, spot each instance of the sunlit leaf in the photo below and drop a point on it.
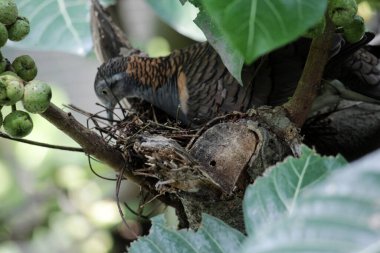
(179, 17)
(277, 192)
(255, 27)
(231, 58)
(339, 214)
(60, 25)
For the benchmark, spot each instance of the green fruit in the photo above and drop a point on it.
(3, 91)
(25, 67)
(18, 124)
(37, 96)
(3, 34)
(11, 89)
(9, 73)
(342, 12)
(3, 65)
(8, 12)
(354, 31)
(19, 29)
(316, 30)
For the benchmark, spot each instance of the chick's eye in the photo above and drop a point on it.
(104, 92)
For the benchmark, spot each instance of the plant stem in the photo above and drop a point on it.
(300, 104)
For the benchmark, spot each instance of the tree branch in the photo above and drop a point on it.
(299, 105)
(91, 142)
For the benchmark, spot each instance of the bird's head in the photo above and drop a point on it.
(112, 83)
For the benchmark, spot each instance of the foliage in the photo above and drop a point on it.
(213, 236)
(305, 204)
(294, 203)
(58, 25)
(180, 17)
(338, 214)
(278, 191)
(252, 28)
(237, 40)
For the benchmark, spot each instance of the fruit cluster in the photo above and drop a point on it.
(343, 13)
(16, 79)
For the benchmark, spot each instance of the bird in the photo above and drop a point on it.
(193, 85)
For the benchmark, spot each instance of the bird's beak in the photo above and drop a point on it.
(109, 109)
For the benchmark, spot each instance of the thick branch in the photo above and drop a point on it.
(91, 142)
(299, 105)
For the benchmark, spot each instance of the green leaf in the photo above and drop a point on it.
(60, 25)
(107, 3)
(232, 59)
(277, 192)
(212, 236)
(255, 27)
(179, 17)
(339, 214)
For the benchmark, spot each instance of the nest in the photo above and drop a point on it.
(193, 169)
(214, 161)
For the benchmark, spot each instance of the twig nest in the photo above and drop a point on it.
(18, 124)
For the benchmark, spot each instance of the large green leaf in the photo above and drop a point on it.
(179, 17)
(255, 27)
(231, 58)
(59, 25)
(179, 14)
(213, 236)
(277, 192)
(338, 215)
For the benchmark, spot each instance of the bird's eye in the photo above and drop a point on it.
(104, 92)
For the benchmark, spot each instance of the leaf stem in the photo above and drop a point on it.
(299, 105)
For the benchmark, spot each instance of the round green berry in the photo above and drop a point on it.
(342, 12)
(14, 89)
(19, 29)
(3, 91)
(3, 65)
(18, 124)
(3, 34)
(37, 96)
(354, 31)
(9, 73)
(8, 12)
(316, 30)
(25, 67)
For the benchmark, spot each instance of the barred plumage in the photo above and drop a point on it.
(194, 85)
